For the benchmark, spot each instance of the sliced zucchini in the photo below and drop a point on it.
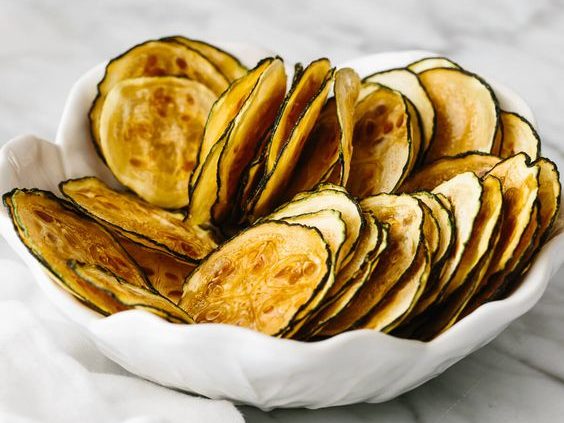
(333, 229)
(466, 109)
(434, 174)
(404, 216)
(150, 132)
(129, 296)
(166, 273)
(227, 64)
(321, 324)
(154, 58)
(261, 279)
(54, 233)
(431, 231)
(431, 63)
(382, 144)
(137, 220)
(315, 201)
(295, 122)
(398, 303)
(331, 226)
(243, 141)
(445, 222)
(205, 190)
(518, 136)
(225, 109)
(549, 196)
(327, 153)
(464, 193)
(485, 227)
(366, 250)
(520, 190)
(305, 88)
(407, 83)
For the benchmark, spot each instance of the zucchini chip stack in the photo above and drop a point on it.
(399, 203)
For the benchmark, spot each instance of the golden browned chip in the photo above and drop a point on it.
(54, 234)
(434, 174)
(227, 64)
(471, 270)
(150, 132)
(154, 58)
(407, 83)
(466, 109)
(243, 140)
(404, 216)
(137, 220)
(345, 288)
(331, 226)
(445, 222)
(520, 190)
(204, 193)
(549, 196)
(328, 151)
(464, 193)
(166, 273)
(260, 279)
(382, 142)
(431, 231)
(294, 123)
(398, 303)
(485, 226)
(431, 63)
(225, 109)
(326, 197)
(518, 136)
(127, 295)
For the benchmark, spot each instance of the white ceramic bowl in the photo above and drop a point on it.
(221, 361)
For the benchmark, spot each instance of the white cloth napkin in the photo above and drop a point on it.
(50, 372)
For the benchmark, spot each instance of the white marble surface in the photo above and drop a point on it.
(46, 45)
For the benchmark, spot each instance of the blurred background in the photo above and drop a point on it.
(47, 45)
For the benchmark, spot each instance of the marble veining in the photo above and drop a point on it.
(46, 46)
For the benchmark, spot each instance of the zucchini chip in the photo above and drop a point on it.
(328, 151)
(54, 233)
(520, 188)
(398, 303)
(126, 295)
(154, 58)
(137, 220)
(225, 109)
(431, 63)
(150, 132)
(383, 148)
(329, 223)
(204, 193)
(261, 279)
(227, 64)
(466, 109)
(166, 273)
(434, 174)
(243, 140)
(518, 136)
(445, 223)
(407, 83)
(549, 196)
(480, 244)
(404, 215)
(351, 278)
(464, 193)
(327, 198)
(294, 123)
